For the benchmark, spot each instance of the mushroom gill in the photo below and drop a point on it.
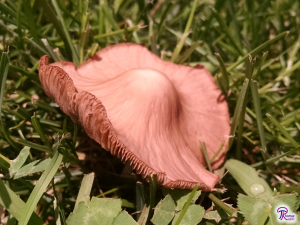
(144, 110)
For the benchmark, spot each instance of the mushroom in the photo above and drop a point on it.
(144, 110)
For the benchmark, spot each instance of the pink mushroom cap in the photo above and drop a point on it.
(144, 110)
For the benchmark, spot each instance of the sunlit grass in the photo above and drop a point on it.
(230, 38)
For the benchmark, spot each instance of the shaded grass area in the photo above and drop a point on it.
(262, 91)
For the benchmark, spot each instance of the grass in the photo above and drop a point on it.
(251, 48)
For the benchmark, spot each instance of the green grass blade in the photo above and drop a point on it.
(254, 116)
(118, 32)
(280, 77)
(191, 16)
(84, 36)
(143, 12)
(149, 205)
(30, 19)
(188, 52)
(248, 75)
(223, 78)
(9, 140)
(58, 26)
(30, 75)
(234, 21)
(14, 205)
(101, 19)
(153, 188)
(91, 51)
(203, 148)
(199, 49)
(276, 158)
(229, 210)
(38, 129)
(185, 33)
(7, 19)
(19, 22)
(162, 19)
(38, 46)
(257, 50)
(108, 192)
(152, 38)
(85, 188)
(66, 11)
(283, 131)
(186, 205)
(109, 16)
(39, 103)
(256, 102)
(58, 55)
(75, 56)
(240, 129)
(217, 152)
(56, 212)
(263, 59)
(33, 145)
(4, 162)
(13, 5)
(84, 30)
(249, 67)
(140, 198)
(50, 50)
(237, 112)
(179, 47)
(227, 32)
(8, 10)
(40, 188)
(229, 49)
(4, 64)
(18, 125)
(292, 189)
(144, 215)
(49, 122)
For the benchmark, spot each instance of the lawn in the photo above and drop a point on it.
(52, 172)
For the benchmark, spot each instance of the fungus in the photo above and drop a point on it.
(144, 110)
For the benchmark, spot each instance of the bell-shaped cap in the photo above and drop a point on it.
(144, 110)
